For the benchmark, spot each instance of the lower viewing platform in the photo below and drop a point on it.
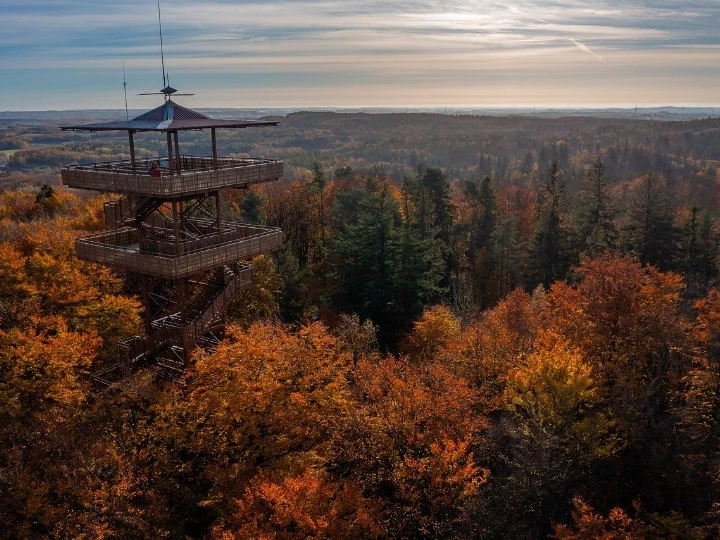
(178, 177)
(125, 249)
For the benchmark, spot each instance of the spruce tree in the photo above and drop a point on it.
(697, 253)
(383, 270)
(429, 213)
(650, 233)
(484, 278)
(548, 258)
(594, 220)
(252, 206)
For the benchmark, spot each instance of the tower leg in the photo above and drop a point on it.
(145, 283)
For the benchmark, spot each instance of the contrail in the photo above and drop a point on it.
(579, 44)
(520, 12)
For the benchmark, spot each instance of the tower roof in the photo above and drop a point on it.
(168, 117)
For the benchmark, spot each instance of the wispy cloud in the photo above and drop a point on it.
(580, 45)
(485, 43)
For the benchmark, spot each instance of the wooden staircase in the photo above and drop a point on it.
(200, 328)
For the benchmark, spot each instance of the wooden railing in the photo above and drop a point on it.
(121, 249)
(172, 330)
(214, 305)
(197, 174)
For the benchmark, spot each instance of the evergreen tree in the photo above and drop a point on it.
(252, 207)
(418, 272)
(429, 213)
(343, 173)
(383, 271)
(362, 255)
(290, 302)
(543, 158)
(526, 165)
(319, 182)
(650, 234)
(594, 220)
(507, 255)
(548, 258)
(697, 252)
(480, 246)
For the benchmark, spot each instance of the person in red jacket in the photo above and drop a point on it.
(155, 169)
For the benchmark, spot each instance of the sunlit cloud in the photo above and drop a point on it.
(344, 49)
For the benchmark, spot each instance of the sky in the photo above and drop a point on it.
(337, 53)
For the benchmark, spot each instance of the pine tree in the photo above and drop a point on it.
(650, 234)
(252, 207)
(595, 227)
(697, 252)
(383, 270)
(429, 213)
(548, 257)
(484, 279)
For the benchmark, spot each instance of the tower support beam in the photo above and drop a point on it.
(177, 153)
(170, 152)
(131, 138)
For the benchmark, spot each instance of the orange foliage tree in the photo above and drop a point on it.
(267, 399)
(308, 505)
(409, 443)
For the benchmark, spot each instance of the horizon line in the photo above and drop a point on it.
(599, 107)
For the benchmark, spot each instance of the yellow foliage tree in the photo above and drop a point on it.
(554, 388)
(43, 368)
(487, 349)
(268, 398)
(435, 329)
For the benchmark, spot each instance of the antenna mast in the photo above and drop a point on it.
(162, 55)
(127, 115)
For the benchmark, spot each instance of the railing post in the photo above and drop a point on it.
(170, 152)
(214, 149)
(132, 148)
(177, 153)
(218, 211)
(146, 300)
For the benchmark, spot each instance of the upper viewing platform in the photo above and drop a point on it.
(176, 177)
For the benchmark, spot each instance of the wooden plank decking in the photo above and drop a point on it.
(197, 175)
(121, 249)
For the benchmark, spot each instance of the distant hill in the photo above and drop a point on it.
(645, 113)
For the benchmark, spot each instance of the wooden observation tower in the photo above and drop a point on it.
(167, 228)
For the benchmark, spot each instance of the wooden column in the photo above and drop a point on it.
(218, 210)
(170, 152)
(177, 153)
(214, 148)
(132, 148)
(176, 224)
(145, 282)
(182, 301)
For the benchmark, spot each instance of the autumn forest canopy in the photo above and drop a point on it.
(477, 327)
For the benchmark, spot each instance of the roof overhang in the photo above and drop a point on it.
(169, 117)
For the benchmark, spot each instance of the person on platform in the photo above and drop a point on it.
(155, 169)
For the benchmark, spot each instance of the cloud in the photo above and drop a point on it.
(575, 42)
(428, 40)
(585, 48)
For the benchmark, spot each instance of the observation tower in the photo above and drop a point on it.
(167, 228)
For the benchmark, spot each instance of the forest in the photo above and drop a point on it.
(478, 327)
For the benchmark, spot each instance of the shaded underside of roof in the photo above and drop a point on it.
(168, 117)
